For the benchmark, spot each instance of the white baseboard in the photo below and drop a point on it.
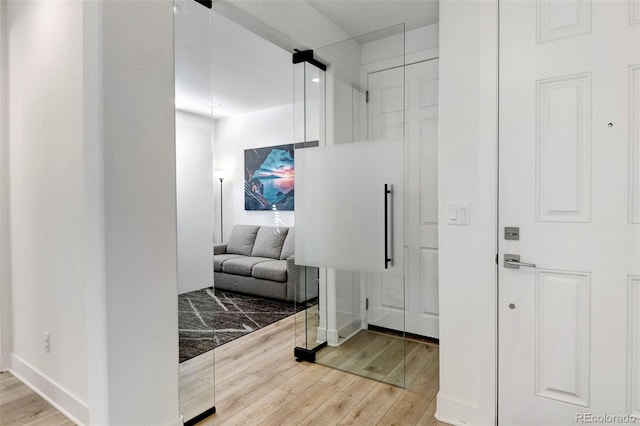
(347, 331)
(459, 413)
(322, 335)
(72, 407)
(350, 329)
(333, 338)
(5, 362)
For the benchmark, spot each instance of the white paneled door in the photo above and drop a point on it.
(420, 118)
(569, 327)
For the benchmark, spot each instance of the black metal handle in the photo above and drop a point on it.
(387, 193)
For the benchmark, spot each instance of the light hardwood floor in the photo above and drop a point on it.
(258, 382)
(380, 357)
(20, 406)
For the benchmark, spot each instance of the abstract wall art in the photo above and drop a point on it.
(269, 176)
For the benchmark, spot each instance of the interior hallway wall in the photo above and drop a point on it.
(89, 182)
(233, 135)
(195, 185)
(5, 247)
(468, 173)
(140, 212)
(47, 191)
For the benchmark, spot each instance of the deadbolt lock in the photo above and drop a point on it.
(511, 233)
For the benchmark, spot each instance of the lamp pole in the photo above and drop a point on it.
(221, 221)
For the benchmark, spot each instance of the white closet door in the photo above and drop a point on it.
(420, 120)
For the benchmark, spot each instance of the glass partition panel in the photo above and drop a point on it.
(309, 88)
(307, 309)
(350, 202)
(194, 178)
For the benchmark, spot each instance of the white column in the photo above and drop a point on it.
(5, 275)
(468, 171)
(140, 212)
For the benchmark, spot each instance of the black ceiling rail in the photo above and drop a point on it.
(307, 56)
(206, 3)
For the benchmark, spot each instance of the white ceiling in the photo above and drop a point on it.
(242, 72)
(247, 73)
(358, 17)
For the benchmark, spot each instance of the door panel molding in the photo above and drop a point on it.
(634, 143)
(634, 12)
(429, 171)
(562, 348)
(429, 278)
(428, 92)
(634, 346)
(557, 20)
(392, 99)
(563, 149)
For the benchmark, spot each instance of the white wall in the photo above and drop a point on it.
(95, 276)
(343, 92)
(47, 211)
(140, 212)
(89, 186)
(295, 25)
(419, 45)
(5, 247)
(233, 135)
(195, 184)
(468, 173)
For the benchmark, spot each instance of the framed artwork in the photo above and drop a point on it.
(269, 176)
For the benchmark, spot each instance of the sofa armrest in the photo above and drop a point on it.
(219, 248)
(298, 289)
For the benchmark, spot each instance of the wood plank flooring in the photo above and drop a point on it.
(20, 406)
(380, 357)
(258, 382)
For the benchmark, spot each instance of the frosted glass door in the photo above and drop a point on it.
(350, 198)
(349, 206)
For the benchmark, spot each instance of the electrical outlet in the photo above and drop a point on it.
(47, 342)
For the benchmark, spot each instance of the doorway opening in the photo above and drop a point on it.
(392, 94)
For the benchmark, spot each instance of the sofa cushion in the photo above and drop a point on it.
(289, 246)
(242, 265)
(242, 239)
(269, 242)
(219, 259)
(274, 270)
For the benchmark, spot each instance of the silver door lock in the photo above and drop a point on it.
(511, 233)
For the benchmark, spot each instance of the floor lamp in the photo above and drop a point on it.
(220, 174)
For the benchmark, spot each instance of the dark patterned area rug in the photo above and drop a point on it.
(208, 319)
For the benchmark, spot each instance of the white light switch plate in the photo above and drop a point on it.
(458, 214)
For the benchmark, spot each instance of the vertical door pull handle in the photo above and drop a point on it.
(388, 193)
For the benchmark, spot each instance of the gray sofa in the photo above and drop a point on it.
(259, 260)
